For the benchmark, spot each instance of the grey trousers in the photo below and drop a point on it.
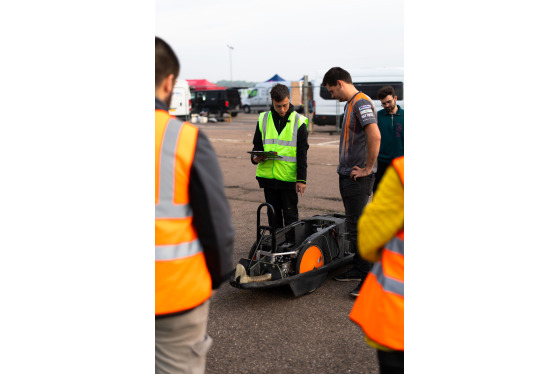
(182, 342)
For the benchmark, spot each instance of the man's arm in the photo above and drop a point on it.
(257, 145)
(211, 213)
(301, 154)
(301, 159)
(373, 143)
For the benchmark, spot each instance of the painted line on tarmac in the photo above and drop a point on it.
(333, 142)
(229, 140)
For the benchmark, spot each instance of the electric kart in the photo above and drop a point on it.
(300, 254)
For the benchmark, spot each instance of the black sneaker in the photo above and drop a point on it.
(356, 291)
(350, 275)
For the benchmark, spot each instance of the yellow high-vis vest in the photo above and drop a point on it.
(284, 144)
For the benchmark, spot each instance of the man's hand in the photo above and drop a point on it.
(358, 172)
(259, 159)
(300, 188)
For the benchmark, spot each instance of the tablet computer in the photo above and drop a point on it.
(267, 154)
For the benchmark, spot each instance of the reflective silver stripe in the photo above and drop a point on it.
(176, 251)
(296, 128)
(277, 141)
(166, 208)
(264, 127)
(395, 245)
(389, 284)
(286, 159)
(173, 210)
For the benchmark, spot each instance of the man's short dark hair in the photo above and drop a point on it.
(385, 91)
(279, 92)
(166, 61)
(336, 74)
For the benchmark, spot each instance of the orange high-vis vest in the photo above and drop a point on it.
(379, 309)
(182, 278)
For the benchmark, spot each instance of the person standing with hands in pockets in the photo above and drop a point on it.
(282, 178)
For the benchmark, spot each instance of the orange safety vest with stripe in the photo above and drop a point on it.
(182, 280)
(379, 309)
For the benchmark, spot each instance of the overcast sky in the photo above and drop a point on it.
(290, 38)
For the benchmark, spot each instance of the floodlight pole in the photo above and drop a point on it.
(230, 70)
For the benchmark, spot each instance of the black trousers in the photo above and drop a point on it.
(381, 167)
(284, 203)
(355, 195)
(391, 362)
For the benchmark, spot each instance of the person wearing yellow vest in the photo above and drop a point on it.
(193, 230)
(284, 131)
(379, 309)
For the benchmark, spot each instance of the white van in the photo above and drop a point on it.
(328, 111)
(258, 96)
(181, 101)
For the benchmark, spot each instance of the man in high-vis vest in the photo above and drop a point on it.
(379, 309)
(193, 230)
(284, 131)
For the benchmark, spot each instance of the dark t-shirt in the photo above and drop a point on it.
(358, 113)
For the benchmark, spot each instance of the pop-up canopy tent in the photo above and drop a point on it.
(271, 82)
(276, 78)
(203, 84)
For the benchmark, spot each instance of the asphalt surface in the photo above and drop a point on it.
(271, 331)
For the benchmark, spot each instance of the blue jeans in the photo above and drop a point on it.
(355, 195)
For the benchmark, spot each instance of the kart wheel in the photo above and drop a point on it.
(310, 258)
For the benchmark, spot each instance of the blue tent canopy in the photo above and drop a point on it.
(276, 78)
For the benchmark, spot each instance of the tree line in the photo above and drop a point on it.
(228, 83)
